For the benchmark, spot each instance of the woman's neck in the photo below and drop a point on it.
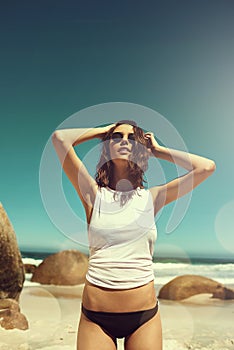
(120, 180)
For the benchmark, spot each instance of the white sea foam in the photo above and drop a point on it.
(165, 272)
(223, 273)
(32, 261)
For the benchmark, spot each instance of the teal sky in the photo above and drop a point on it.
(175, 57)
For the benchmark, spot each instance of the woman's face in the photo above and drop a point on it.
(122, 142)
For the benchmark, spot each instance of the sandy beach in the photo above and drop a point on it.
(198, 322)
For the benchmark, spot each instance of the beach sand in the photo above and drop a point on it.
(199, 322)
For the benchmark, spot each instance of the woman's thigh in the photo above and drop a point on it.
(146, 337)
(91, 336)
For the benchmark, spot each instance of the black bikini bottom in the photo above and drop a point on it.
(120, 324)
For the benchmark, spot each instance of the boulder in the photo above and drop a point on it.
(11, 265)
(185, 286)
(29, 268)
(10, 315)
(223, 293)
(67, 267)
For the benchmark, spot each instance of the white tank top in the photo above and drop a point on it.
(121, 239)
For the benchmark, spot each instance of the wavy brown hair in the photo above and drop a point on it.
(137, 164)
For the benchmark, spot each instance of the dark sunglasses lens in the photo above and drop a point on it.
(116, 136)
(131, 137)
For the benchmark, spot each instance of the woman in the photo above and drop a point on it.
(119, 298)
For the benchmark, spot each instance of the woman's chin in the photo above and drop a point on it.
(121, 159)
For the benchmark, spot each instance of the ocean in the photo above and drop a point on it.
(166, 269)
(221, 272)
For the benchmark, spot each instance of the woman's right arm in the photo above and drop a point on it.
(64, 141)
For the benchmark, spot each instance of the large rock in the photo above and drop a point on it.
(29, 268)
(67, 267)
(222, 292)
(10, 315)
(185, 286)
(11, 265)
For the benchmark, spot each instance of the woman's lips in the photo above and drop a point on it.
(124, 149)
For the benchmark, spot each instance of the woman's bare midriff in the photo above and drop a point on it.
(114, 300)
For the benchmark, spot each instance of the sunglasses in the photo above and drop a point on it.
(117, 136)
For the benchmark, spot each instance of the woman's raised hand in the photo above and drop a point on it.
(152, 144)
(105, 129)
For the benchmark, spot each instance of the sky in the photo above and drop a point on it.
(173, 59)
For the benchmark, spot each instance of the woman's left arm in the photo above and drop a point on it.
(199, 168)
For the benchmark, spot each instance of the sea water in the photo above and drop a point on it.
(222, 272)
